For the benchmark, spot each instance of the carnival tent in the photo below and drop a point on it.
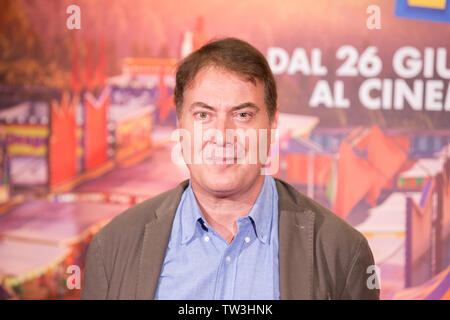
(27, 111)
(389, 216)
(424, 168)
(385, 228)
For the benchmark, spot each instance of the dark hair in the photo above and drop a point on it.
(233, 55)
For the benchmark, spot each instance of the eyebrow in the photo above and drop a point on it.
(235, 108)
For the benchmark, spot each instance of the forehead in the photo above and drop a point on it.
(219, 87)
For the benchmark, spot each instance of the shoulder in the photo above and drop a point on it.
(327, 225)
(342, 254)
(132, 221)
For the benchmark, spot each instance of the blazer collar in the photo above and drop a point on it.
(155, 241)
(295, 241)
(295, 244)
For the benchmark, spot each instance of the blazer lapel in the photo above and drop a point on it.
(155, 242)
(295, 241)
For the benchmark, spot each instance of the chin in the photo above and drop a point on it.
(224, 180)
(221, 181)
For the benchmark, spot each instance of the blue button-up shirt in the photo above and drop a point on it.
(200, 264)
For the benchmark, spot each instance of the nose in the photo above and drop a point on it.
(223, 124)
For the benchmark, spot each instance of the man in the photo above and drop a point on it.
(229, 232)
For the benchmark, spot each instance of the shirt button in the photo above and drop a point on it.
(228, 259)
(247, 239)
(206, 238)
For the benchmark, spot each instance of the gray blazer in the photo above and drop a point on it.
(320, 255)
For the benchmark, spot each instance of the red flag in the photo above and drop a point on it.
(63, 140)
(322, 168)
(355, 176)
(297, 168)
(96, 129)
(387, 157)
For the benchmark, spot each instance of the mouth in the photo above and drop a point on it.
(224, 157)
(222, 161)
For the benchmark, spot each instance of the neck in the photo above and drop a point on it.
(221, 213)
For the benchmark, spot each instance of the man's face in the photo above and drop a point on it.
(234, 139)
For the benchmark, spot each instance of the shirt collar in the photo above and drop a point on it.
(191, 215)
(260, 215)
(262, 212)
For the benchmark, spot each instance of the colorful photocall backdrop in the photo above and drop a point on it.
(87, 112)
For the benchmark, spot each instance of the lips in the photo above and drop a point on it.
(222, 160)
(212, 159)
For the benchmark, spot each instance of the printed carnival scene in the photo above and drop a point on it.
(87, 114)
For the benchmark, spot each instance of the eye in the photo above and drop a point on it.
(244, 115)
(201, 115)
